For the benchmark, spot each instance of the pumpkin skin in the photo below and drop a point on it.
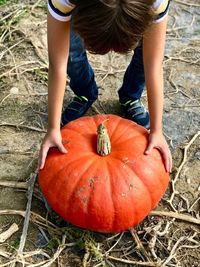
(103, 193)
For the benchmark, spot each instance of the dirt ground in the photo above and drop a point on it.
(158, 240)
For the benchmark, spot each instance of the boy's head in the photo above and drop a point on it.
(111, 25)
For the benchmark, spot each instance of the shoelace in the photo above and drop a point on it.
(134, 104)
(81, 98)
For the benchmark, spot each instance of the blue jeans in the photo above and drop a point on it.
(82, 80)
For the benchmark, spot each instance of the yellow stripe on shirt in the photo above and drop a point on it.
(161, 8)
(62, 8)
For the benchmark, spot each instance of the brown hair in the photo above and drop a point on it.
(107, 25)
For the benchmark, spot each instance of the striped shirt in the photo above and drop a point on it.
(62, 9)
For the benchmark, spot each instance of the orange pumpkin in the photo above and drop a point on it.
(109, 193)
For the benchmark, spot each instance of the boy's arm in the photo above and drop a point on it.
(58, 50)
(153, 53)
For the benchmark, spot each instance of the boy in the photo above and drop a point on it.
(105, 25)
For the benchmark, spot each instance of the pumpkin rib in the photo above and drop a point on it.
(130, 124)
(160, 180)
(138, 158)
(54, 161)
(116, 130)
(117, 153)
(152, 166)
(71, 162)
(121, 138)
(136, 174)
(97, 118)
(111, 195)
(127, 140)
(60, 170)
(66, 130)
(116, 126)
(156, 158)
(108, 184)
(126, 182)
(103, 118)
(70, 126)
(141, 176)
(74, 190)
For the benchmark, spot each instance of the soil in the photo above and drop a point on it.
(23, 121)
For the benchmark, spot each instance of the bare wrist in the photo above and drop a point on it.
(53, 128)
(157, 130)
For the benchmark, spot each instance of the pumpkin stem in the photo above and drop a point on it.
(103, 140)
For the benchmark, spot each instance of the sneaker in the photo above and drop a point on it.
(135, 111)
(75, 109)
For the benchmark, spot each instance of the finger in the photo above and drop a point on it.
(43, 155)
(149, 149)
(169, 161)
(166, 158)
(61, 148)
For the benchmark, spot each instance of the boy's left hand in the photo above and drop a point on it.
(157, 140)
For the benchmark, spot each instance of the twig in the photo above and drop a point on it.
(31, 183)
(4, 98)
(182, 59)
(11, 47)
(140, 247)
(86, 257)
(7, 152)
(8, 233)
(10, 13)
(22, 126)
(182, 27)
(49, 262)
(20, 185)
(185, 106)
(121, 235)
(36, 252)
(155, 233)
(172, 253)
(178, 216)
(35, 218)
(5, 254)
(113, 236)
(95, 109)
(195, 202)
(187, 4)
(132, 262)
(23, 186)
(18, 66)
(35, 5)
(43, 234)
(180, 168)
(175, 86)
(13, 212)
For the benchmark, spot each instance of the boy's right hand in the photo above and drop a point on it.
(52, 139)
